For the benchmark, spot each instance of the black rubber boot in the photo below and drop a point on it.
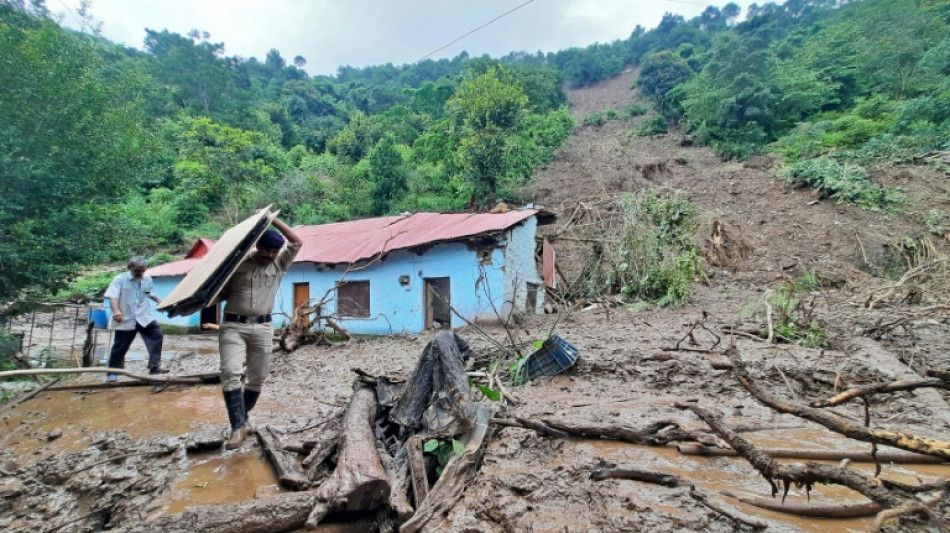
(250, 400)
(234, 401)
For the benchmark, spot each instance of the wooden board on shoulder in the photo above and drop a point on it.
(203, 283)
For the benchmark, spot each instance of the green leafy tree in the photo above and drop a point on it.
(388, 173)
(71, 143)
(221, 165)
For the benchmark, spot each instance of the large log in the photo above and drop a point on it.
(456, 476)
(359, 482)
(285, 465)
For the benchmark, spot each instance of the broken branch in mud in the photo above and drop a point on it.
(886, 456)
(835, 423)
(808, 475)
(164, 451)
(288, 471)
(657, 478)
(27, 396)
(880, 388)
(417, 470)
(736, 517)
(670, 480)
(658, 433)
(103, 370)
(810, 509)
(456, 476)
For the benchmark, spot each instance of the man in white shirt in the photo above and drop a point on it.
(128, 296)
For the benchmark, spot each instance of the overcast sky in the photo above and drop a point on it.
(330, 33)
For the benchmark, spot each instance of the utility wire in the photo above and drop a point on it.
(457, 39)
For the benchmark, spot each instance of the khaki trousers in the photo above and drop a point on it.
(245, 344)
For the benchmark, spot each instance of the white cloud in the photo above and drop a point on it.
(329, 33)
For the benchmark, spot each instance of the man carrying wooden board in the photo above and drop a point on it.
(246, 335)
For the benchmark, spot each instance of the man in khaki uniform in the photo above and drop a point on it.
(246, 335)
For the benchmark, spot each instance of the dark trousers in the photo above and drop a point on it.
(151, 335)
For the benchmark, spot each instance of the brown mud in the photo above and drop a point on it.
(626, 375)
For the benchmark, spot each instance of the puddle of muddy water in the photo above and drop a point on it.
(718, 474)
(135, 410)
(211, 478)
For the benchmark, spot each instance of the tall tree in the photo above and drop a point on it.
(71, 142)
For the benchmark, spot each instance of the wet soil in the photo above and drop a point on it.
(628, 372)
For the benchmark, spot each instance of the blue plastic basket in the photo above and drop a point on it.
(555, 356)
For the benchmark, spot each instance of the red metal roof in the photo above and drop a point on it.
(349, 242)
(184, 266)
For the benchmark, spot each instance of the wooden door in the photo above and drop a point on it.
(301, 304)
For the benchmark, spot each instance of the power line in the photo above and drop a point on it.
(489, 23)
(457, 39)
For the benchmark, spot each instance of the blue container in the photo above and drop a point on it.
(555, 356)
(99, 317)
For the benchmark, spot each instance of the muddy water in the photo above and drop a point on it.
(206, 479)
(718, 474)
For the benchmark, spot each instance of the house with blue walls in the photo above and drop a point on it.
(401, 274)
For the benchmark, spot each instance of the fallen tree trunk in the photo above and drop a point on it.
(896, 439)
(267, 515)
(359, 482)
(285, 466)
(810, 509)
(456, 476)
(882, 456)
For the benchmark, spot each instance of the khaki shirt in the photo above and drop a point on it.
(252, 289)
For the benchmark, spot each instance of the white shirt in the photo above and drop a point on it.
(132, 295)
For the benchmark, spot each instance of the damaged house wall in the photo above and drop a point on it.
(487, 278)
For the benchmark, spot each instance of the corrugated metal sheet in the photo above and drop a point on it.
(349, 242)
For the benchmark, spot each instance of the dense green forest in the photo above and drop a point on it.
(106, 150)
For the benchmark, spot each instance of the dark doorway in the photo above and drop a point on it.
(210, 315)
(438, 297)
(531, 299)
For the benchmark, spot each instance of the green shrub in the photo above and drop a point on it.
(635, 109)
(844, 183)
(657, 260)
(86, 286)
(935, 223)
(612, 114)
(594, 119)
(654, 125)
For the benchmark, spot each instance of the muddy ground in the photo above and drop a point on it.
(628, 372)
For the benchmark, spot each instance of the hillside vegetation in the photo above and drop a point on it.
(109, 150)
